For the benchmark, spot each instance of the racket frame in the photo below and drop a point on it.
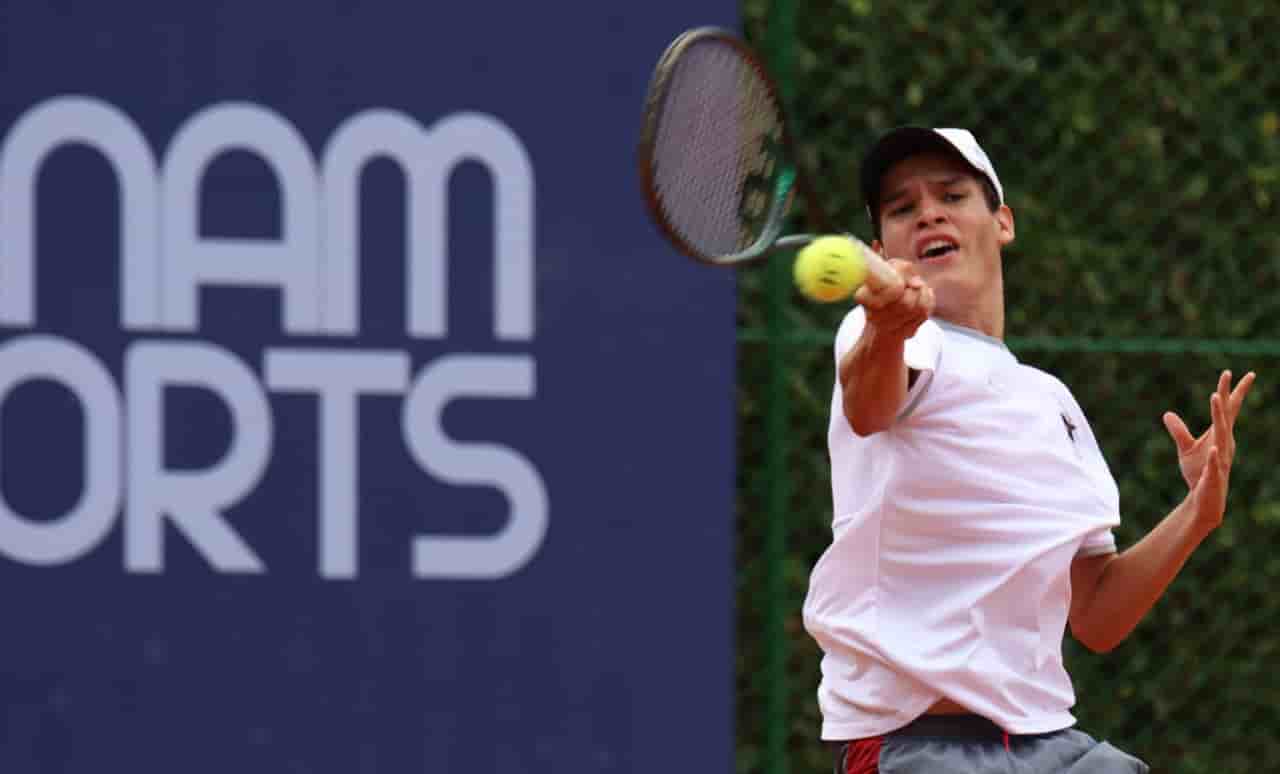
(770, 240)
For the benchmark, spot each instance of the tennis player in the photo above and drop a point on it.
(973, 509)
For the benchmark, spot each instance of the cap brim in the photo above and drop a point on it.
(894, 146)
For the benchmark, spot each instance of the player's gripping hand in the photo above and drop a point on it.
(897, 309)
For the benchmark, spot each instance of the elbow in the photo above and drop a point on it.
(864, 426)
(1097, 641)
(864, 419)
(1101, 647)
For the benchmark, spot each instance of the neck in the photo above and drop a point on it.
(985, 314)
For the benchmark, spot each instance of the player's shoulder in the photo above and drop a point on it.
(1048, 380)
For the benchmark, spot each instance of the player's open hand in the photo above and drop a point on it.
(1206, 461)
(899, 308)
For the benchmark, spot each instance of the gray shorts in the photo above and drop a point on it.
(968, 744)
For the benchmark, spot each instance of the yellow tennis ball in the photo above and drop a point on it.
(830, 268)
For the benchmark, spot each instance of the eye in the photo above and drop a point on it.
(901, 209)
(953, 196)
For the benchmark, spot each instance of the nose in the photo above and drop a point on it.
(930, 212)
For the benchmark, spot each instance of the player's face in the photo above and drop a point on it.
(933, 212)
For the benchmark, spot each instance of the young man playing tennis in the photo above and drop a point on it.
(973, 510)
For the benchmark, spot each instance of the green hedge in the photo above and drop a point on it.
(1139, 145)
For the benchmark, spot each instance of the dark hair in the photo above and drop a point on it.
(988, 193)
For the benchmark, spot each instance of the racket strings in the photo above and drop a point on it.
(716, 150)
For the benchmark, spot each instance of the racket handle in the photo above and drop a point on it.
(879, 273)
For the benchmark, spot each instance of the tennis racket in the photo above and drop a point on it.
(718, 162)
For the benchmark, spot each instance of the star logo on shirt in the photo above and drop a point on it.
(1070, 426)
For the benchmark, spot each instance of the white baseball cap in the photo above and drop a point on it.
(897, 144)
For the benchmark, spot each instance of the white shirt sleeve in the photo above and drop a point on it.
(1097, 543)
(921, 352)
(1101, 541)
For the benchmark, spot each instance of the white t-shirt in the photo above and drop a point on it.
(948, 574)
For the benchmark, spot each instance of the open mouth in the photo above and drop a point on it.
(937, 249)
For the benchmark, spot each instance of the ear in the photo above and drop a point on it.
(1004, 225)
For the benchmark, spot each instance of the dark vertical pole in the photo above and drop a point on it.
(779, 39)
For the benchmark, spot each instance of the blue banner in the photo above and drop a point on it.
(353, 417)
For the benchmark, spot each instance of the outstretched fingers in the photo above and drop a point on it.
(1223, 439)
(1223, 395)
(1211, 490)
(1182, 437)
(1225, 406)
(1236, 398)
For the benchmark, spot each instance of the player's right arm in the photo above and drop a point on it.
(874, 377)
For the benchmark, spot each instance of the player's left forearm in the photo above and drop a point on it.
(1131, 582)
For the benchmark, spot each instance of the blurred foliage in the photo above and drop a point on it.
(1139, 146)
